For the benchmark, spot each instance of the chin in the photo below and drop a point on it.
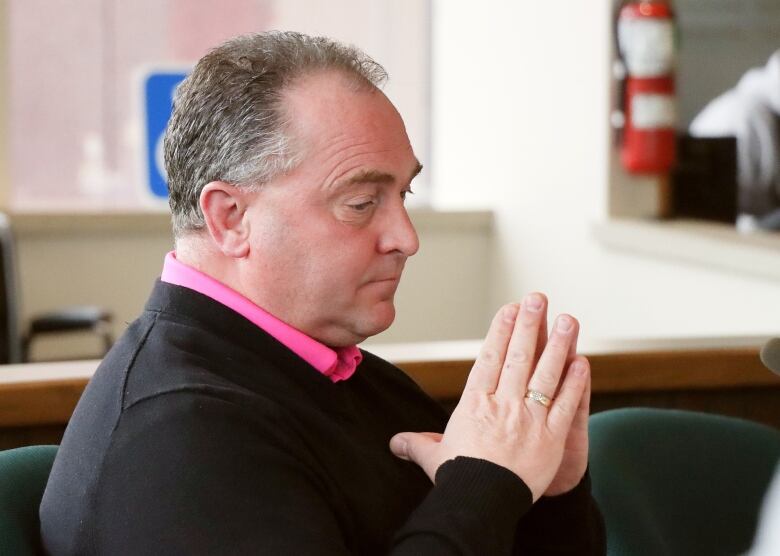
(381, 319)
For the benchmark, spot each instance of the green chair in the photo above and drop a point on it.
(23, 476)
(678, 482)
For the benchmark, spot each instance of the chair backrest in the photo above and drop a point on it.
(23, 476)
(10, 339)
(678, 482)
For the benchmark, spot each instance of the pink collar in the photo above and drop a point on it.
(338, 364)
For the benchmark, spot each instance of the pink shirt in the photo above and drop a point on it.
(338, 364)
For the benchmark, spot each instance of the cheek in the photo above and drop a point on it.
(336, 273)
(315, 258)
(281, 255)
(338, 270)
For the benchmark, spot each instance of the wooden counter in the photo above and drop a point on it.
(722, 375)
(441, 368)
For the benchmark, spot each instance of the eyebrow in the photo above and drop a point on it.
(374, 176)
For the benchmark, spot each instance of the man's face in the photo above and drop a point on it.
(329, 240)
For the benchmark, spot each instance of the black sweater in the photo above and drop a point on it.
(201, 434)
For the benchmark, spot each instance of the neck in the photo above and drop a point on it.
(196, 251)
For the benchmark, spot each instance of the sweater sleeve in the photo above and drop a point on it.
(473, 508)
(570, 523)
(213, 486)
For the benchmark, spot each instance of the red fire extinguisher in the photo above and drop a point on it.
(646, 42)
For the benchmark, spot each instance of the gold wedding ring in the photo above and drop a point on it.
(538, 397)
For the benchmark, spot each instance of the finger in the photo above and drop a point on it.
(581, 415)
(419, 448)
(487, 368)
(573, 347)
(541, 339)
(569, 403)
(521, 351)
(547, 374)
(570, 357)
(413, 446)
(583, 410)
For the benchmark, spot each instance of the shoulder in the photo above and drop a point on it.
(191, 417)
(180, 355)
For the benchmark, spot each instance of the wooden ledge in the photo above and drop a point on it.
(46, 393)
(654, 365)
(652, 371)
(42, 393)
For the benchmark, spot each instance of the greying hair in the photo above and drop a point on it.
(229, 123)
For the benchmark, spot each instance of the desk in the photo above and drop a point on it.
(722, 375)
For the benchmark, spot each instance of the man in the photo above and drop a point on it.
(236, 415)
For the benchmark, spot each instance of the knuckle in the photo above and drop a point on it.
(558, 343)
(564, 407)
(529, 320)
(517, 357)
(546, 377)
(514, 410)
(482, 407)
(488, 357)
(505, 317)
(577, 373)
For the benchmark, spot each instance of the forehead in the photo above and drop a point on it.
(338, 125)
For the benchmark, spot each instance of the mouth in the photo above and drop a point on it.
(389, 275)
(391, 279)
(387, 285)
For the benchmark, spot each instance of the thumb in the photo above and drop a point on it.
(416, 447)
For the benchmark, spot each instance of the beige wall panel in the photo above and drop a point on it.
(112, 263)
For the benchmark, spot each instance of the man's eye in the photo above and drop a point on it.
(362, 207)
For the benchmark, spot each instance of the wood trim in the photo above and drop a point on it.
(39, 403)
(38, 394)
(45, 394)
(681, 370)
(654, 371)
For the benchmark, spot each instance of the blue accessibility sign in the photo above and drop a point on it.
(158, 91)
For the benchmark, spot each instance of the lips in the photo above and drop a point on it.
(389, 284)
(391, 279)
(393, 274)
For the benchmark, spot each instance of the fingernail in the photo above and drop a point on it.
(580, 368)
(510, 312)
(399, 446)
(533, 302)
(564, 323)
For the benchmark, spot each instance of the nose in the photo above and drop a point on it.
(398, 234)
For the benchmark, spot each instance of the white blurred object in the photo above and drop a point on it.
(750, 113)
(767, 541)
(647, 44)
(746, 223)
(94, 180)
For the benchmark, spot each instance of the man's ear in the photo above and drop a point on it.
(223, 206)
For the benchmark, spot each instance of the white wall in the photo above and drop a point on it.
(520, 98)
(520, 110)
(113, 260)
